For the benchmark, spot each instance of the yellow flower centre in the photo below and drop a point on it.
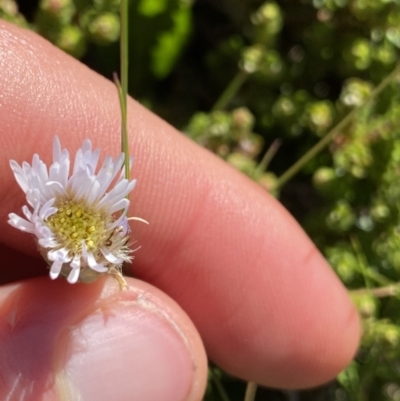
(74, 222)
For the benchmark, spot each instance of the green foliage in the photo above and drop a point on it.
(240, 77)
(158, 33)
(9, 12)
(76, 25)
(170, 43)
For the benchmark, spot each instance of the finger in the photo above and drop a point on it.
(95, 342)
(265, 302)
(16, 266)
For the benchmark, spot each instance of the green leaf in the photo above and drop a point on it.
(151, 8)
(169, 44)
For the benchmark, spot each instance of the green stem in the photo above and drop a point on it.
(123, 92)
(231, 90)
(379, 292)
(251, 390)
(269, 155)
(361, 260)
(367, 272)
(296, 167)
(377, 277)
(224, 396)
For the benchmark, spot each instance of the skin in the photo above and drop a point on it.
(225, 261)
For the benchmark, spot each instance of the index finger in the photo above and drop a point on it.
(267, 305)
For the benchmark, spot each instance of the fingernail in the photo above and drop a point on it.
(131, 352)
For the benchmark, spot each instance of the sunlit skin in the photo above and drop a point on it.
(267, 306)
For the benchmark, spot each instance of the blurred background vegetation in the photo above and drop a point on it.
(259, 83)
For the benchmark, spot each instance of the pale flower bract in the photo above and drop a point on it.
(79, 220)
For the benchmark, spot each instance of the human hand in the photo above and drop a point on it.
(266, 305)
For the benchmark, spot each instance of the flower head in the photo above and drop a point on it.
(80, 224)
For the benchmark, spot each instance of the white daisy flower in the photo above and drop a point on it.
(79, 223)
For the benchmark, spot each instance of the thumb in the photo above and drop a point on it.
(95, 342)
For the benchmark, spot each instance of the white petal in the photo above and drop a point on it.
(59, 172)
(55, 269)
(56, 149)
(56, 189)
(60, 255)
(79, 185)
(86, 146)
(131, 160)
(118, 163)
(73, 275)
(48, 242)
(20, 223)
(85, 159)
(33, 198)
(118, 192)
(91, 261)
(110, 257)
(130, 187)
(99, 268)
(76, 262)
(27, 170)
(106, 175)
(46, 238)
(47, 210)
(40, 169)
(19, 175)
(125, 226)
(42, 230)
(122, 204)
(77, 161)
(92, 193)
(117, 222)
(91, 159)
(27, 212)
(41, 187)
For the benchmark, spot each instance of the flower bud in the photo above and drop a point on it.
(242, 163)
(198, 126)
(320, 116)
(252, 58)
(56, 12)
(9, 7)
(272, 66)
(341, 217)
(9, 12)
(251, 145)
(380, 211)
(269, 182)
(71, 40)
(366, 305)
(268, 21)
(102, 28)
(386, 53)
(323, 176)
(343, 261)
(359, 54)
(242, 119)
(220, 124)
(354, 157)
(355, 92)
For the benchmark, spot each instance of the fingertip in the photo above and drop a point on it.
(332, 321)
(291, 314)
(95, 342)
(326, 345)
